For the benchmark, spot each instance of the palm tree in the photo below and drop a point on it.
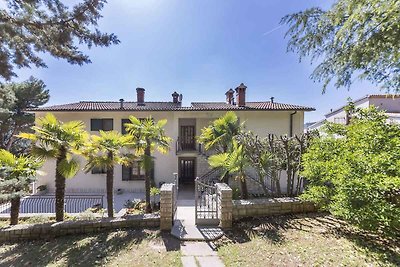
(233, 162)
(57, 140)
(148, 136)
(16, 174)
(104, 151)
(220, 133)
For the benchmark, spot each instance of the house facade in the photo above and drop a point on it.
(186, 157)
(388, 103)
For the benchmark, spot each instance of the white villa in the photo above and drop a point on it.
(184, 124)
(389, 103)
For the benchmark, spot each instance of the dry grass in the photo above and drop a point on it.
(118, 248)
(306, 240)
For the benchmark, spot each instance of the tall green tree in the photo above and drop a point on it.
(354, 173)
(104, 151)
(30, 28)
(148, 136)
(16, 174)
(354, 38)
(219, 134)
(15, 98)
(53, 139)
(234, 162)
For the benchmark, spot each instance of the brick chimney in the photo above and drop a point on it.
(241, 95)
(140, 96)
(229, 97)
(175, 97)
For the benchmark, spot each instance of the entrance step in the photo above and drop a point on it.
(195, 233)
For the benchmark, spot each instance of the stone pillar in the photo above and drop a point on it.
(167, 206)
(225, 205)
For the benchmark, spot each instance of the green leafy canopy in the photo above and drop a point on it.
(354, 171)
(353, 38)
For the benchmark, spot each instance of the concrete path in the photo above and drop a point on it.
(200, 253)
(184, 227)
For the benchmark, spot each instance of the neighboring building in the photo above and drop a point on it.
(389, 103)
(184, 124)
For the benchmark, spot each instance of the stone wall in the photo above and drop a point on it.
(270, 206)
(48, 230)
(167, 201)
(225, 205)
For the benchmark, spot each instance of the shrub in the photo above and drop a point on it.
(38, 219)
(354, 171)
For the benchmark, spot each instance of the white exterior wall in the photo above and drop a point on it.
(260, 122)
(342, 114)
(388, 104)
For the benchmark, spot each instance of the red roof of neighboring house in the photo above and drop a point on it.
(168, 106)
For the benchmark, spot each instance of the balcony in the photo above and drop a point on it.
(185, 144)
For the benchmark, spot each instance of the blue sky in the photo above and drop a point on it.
(200, 49)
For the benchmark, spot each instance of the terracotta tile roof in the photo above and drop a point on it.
(109, 106)
(167, 106)
(249, 106)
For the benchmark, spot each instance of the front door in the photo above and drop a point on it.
(187, 170)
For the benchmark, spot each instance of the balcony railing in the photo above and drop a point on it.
(185, 144)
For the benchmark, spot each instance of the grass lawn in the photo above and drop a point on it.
(304, 240)
(118, 248)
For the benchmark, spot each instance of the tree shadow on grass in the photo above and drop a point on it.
(267, 228)
(79, 250)
(379, 247)
(274, 228)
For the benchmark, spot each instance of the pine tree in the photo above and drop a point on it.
(29, 28)
(15, 98)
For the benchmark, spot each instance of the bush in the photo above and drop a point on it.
(86, 215)
(354, 171)
(38, 219)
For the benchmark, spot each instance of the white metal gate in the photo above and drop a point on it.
(175, 196)
(206, 203)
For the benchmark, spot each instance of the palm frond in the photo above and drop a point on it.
(44, 152)
(29, 136)
(68, 168)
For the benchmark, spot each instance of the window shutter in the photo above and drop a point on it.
(108, 124)
(95, 124)
(126, 173)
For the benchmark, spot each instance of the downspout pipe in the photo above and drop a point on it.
(291, 123)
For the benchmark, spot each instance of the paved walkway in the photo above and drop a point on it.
(199, 253)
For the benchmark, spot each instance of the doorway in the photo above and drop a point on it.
(187, 170)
